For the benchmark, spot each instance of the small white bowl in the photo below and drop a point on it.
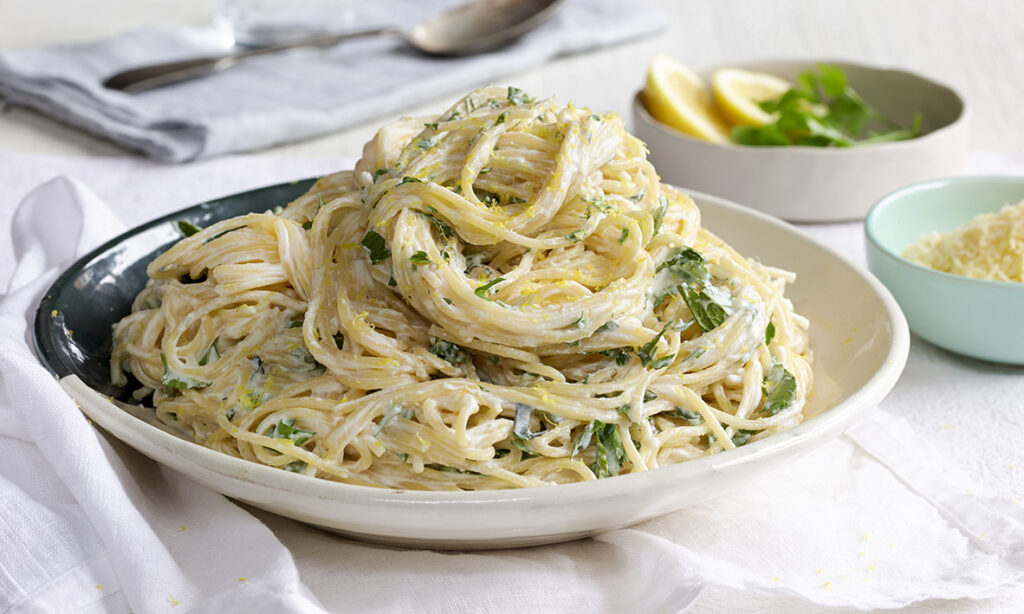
(814, 184)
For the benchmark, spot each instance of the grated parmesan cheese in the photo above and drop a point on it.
(991, 246)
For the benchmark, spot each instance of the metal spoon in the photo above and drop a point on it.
(472, 28)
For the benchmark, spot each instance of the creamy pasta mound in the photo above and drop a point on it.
(501, 296)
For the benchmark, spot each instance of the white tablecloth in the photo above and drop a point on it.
(881, 517)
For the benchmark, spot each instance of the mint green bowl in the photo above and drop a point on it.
(974, 317)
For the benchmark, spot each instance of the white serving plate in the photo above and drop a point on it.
(860, 342)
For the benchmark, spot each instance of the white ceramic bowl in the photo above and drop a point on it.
(813, 184)
(859, 339)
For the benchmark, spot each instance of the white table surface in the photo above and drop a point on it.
(977, 47)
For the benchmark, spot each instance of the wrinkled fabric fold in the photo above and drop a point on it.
(285, 96)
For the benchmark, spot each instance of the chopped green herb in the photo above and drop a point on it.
(575, 236)
(222, 233)
(610, 453)
(741, 437)
(621, 355)
(286, 429)
(609, 325)
(171, 379)
(624, 235)
(659, 213)
(295, 324)
(186, 228)
(637, 197)
(339, 340)
(375, 244)
(448, 351)
(517, 96)
(769, 333)
(379, 173)
(708, 313)
(647, 352)
(624, 409)
(579, 323)
(296, 466)
(501, 118)
(521, 425)
(211, 354)
(402, 456)
(779, 389)
(523, 446)
(583, 440)
(484, 291)
(649, 396)
(431, 125)
(692, 417)
(686, 265)
(410, 179)
(444, 230)
(420, 257)
(425, 143)
(823, 111)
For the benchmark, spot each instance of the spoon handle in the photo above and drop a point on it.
(156, 75)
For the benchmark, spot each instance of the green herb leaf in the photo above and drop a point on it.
(621, 355)
(379, 173)
(286, 429)
(517, 96)
(211, 354)
(376, 245)
(708, 313)
(609, 325)
(659, 213)
(686, 265)
(448, 351)
(691, 417)
(295, 324)
(177, 380)
(647, 351)
(186, 228)
(741, 437)
(610, 453)
(521, 426)
(484, 291)
(583, 440)
(222, 233)
(444, 230)
(410, 179)
(779, 390)
(296, 466)
(649, 396)
(420, 257)
(624, 235)
(769, 332)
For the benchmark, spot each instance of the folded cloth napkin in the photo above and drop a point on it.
(290, 95)
(877, 518)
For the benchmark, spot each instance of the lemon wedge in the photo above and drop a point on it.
(737, 93)
(677, 97)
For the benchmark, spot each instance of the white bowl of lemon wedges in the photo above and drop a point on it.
(806, 141)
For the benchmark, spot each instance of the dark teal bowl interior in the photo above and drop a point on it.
(74, 320)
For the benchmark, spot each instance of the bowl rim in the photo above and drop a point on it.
(641, 111)
(892, 200)
(878, 385)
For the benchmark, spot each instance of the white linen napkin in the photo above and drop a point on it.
(285, 96)
(877, 518)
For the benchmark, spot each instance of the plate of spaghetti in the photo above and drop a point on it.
(498, 329)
